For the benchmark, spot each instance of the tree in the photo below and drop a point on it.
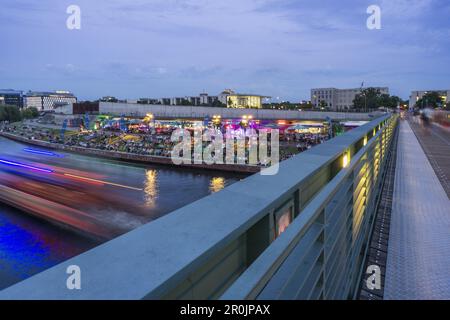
(369, 98)
(30, 113)
(186, 102)
(388, 101)
(10, 113)
(430, 100)
(306, 105)
(338, 129)
(322, 104)
(218, 104)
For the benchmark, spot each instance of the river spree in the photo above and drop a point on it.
(118, 195)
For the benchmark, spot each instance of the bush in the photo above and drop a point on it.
(14, 114)
(30, 113)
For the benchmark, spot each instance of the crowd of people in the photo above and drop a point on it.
(152, 143)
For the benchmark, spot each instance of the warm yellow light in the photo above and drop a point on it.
(365, 141)
(216, 184)
(151, 188)
(345, 160)
(102, 182)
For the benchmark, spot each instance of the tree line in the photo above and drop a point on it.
(15, 114)
(372, 98)
(432, 100)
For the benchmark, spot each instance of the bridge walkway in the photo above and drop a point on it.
(418, 261)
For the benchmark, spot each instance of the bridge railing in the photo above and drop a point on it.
(235, 244)
(321, 254)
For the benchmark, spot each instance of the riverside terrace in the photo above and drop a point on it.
(151, 144)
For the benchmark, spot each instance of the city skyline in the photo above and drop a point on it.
(181, 48)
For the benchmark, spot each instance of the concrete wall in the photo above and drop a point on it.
(168, 112)
(245, 169)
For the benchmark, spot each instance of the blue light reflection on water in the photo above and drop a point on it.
(29, 248)
(29, 245)
(43, 152)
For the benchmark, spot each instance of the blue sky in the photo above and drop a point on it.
(157, 48)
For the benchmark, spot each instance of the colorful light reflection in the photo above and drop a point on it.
(43, 152)
(25, 166)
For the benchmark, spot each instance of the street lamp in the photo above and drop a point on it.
(149, 118)
(217, 120)
(244, 121)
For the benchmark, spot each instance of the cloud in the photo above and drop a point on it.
(68, 69)
(406, 9)
(180, 47)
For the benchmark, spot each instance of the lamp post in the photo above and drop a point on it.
(244, 122)
(150, 118)
(217, 120)
(365, 102)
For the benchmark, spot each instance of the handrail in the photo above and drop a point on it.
(252, 281)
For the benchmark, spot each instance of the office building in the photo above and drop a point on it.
(207, 100)
(48, 101)
(238, 100)
(11, 97)
(337, 99)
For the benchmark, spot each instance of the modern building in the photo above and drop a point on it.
(148, 101)
(79, 108)
(203, 100)
(228, 97)
(109, 99)
(164, 101)
(416, 95)
(48, 101)
(337, 99)
(184, 101)
(11, 97)
(238, 100)
(207, 100)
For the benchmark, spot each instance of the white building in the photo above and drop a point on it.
(416, 95)
(180, 101)
(207, 100)
(228, 97)
(48, 101)
(337, 99)
(238, 100)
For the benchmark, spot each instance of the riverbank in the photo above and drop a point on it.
(130, 157)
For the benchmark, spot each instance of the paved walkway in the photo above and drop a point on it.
(435, 141)
(418, 263)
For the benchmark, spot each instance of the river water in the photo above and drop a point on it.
(133, 195)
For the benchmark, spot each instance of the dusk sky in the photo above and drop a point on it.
(158, 48)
